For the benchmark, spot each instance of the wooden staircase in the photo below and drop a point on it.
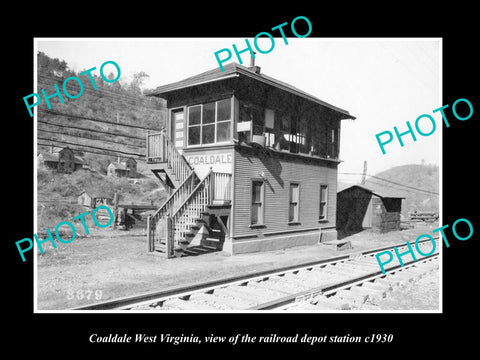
(189, 220)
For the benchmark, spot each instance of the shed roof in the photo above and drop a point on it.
(118, 166)
(95, 194)
(383, 193)
(233, 70)
(47, 156)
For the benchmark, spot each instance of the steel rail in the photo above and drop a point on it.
(127, 302)
(333, 287)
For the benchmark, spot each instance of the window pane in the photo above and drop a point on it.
(255, 211)
(294, 193)
(223, 110)
(194, 135)
(269, 118)
(256, 192)
(208, 134)
(323, 193)
(208, 113)
(292, 213)
(223, 131)
(194, 115)
(322, 210)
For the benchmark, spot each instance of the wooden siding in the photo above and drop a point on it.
(359, 209)
(280, 170)
(352, 207)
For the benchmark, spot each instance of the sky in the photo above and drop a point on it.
(383, 82)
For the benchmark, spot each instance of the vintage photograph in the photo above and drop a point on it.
(306, 179)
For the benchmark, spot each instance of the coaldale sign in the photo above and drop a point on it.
(219, 161)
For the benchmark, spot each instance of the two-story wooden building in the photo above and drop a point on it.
(251, 162)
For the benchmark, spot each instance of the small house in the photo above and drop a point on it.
(62, 159)
(126, 167)
(360, 208)
(92, 199)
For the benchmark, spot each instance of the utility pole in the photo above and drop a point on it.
(364, 172)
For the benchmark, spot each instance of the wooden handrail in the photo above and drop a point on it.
(192, 208)
(174, 195)
(162, 149)
(180, 167)
(205, 179)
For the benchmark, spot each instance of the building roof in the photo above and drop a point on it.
(95, 194)
(47, 156)
(125, 159)
(118, 166)
(380, 192)
(233, 70)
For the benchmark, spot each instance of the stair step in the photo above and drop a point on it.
(212, 243)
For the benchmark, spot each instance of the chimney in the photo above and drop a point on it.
(255, 69)
(252, 60)
(51, 148)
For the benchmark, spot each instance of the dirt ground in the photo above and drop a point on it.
(113, 263)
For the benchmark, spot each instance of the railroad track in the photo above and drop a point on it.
(344, 282)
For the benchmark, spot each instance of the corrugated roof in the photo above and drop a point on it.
(234, 70)
(383, 193)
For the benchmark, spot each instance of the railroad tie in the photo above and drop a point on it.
(330, 303)
(179, 304)
(228, 302)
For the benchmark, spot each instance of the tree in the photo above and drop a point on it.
(48, 64)
(138, 79)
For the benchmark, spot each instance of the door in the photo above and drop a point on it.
(177, 134)
(367, 220)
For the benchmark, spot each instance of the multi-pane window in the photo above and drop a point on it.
(323, 202)
(294, 202)
(257, 209)
(209, 123)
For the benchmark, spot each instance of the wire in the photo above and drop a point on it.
(92, 130)
(52, 112)
(393, 182)
(89, 151)
(93, 139)
(93, 147)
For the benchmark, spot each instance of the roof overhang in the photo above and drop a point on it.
(234, 70)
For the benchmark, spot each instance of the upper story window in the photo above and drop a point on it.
(210, 123)
(304, 132)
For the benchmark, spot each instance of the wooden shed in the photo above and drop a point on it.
(63, 160)
(92, 200)
(360, 208)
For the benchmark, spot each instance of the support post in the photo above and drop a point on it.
(115, 210)
(149, 234)
(169, 246)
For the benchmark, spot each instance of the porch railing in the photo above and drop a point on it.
(160, 149)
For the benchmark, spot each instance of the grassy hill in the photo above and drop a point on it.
(99, 126)
(419, 184)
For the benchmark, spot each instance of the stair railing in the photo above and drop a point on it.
(169, 207)
(191, 209)
(176, 162)
(161, 149)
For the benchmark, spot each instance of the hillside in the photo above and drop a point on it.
(99, 126)
(419, 184)
(101, 123)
